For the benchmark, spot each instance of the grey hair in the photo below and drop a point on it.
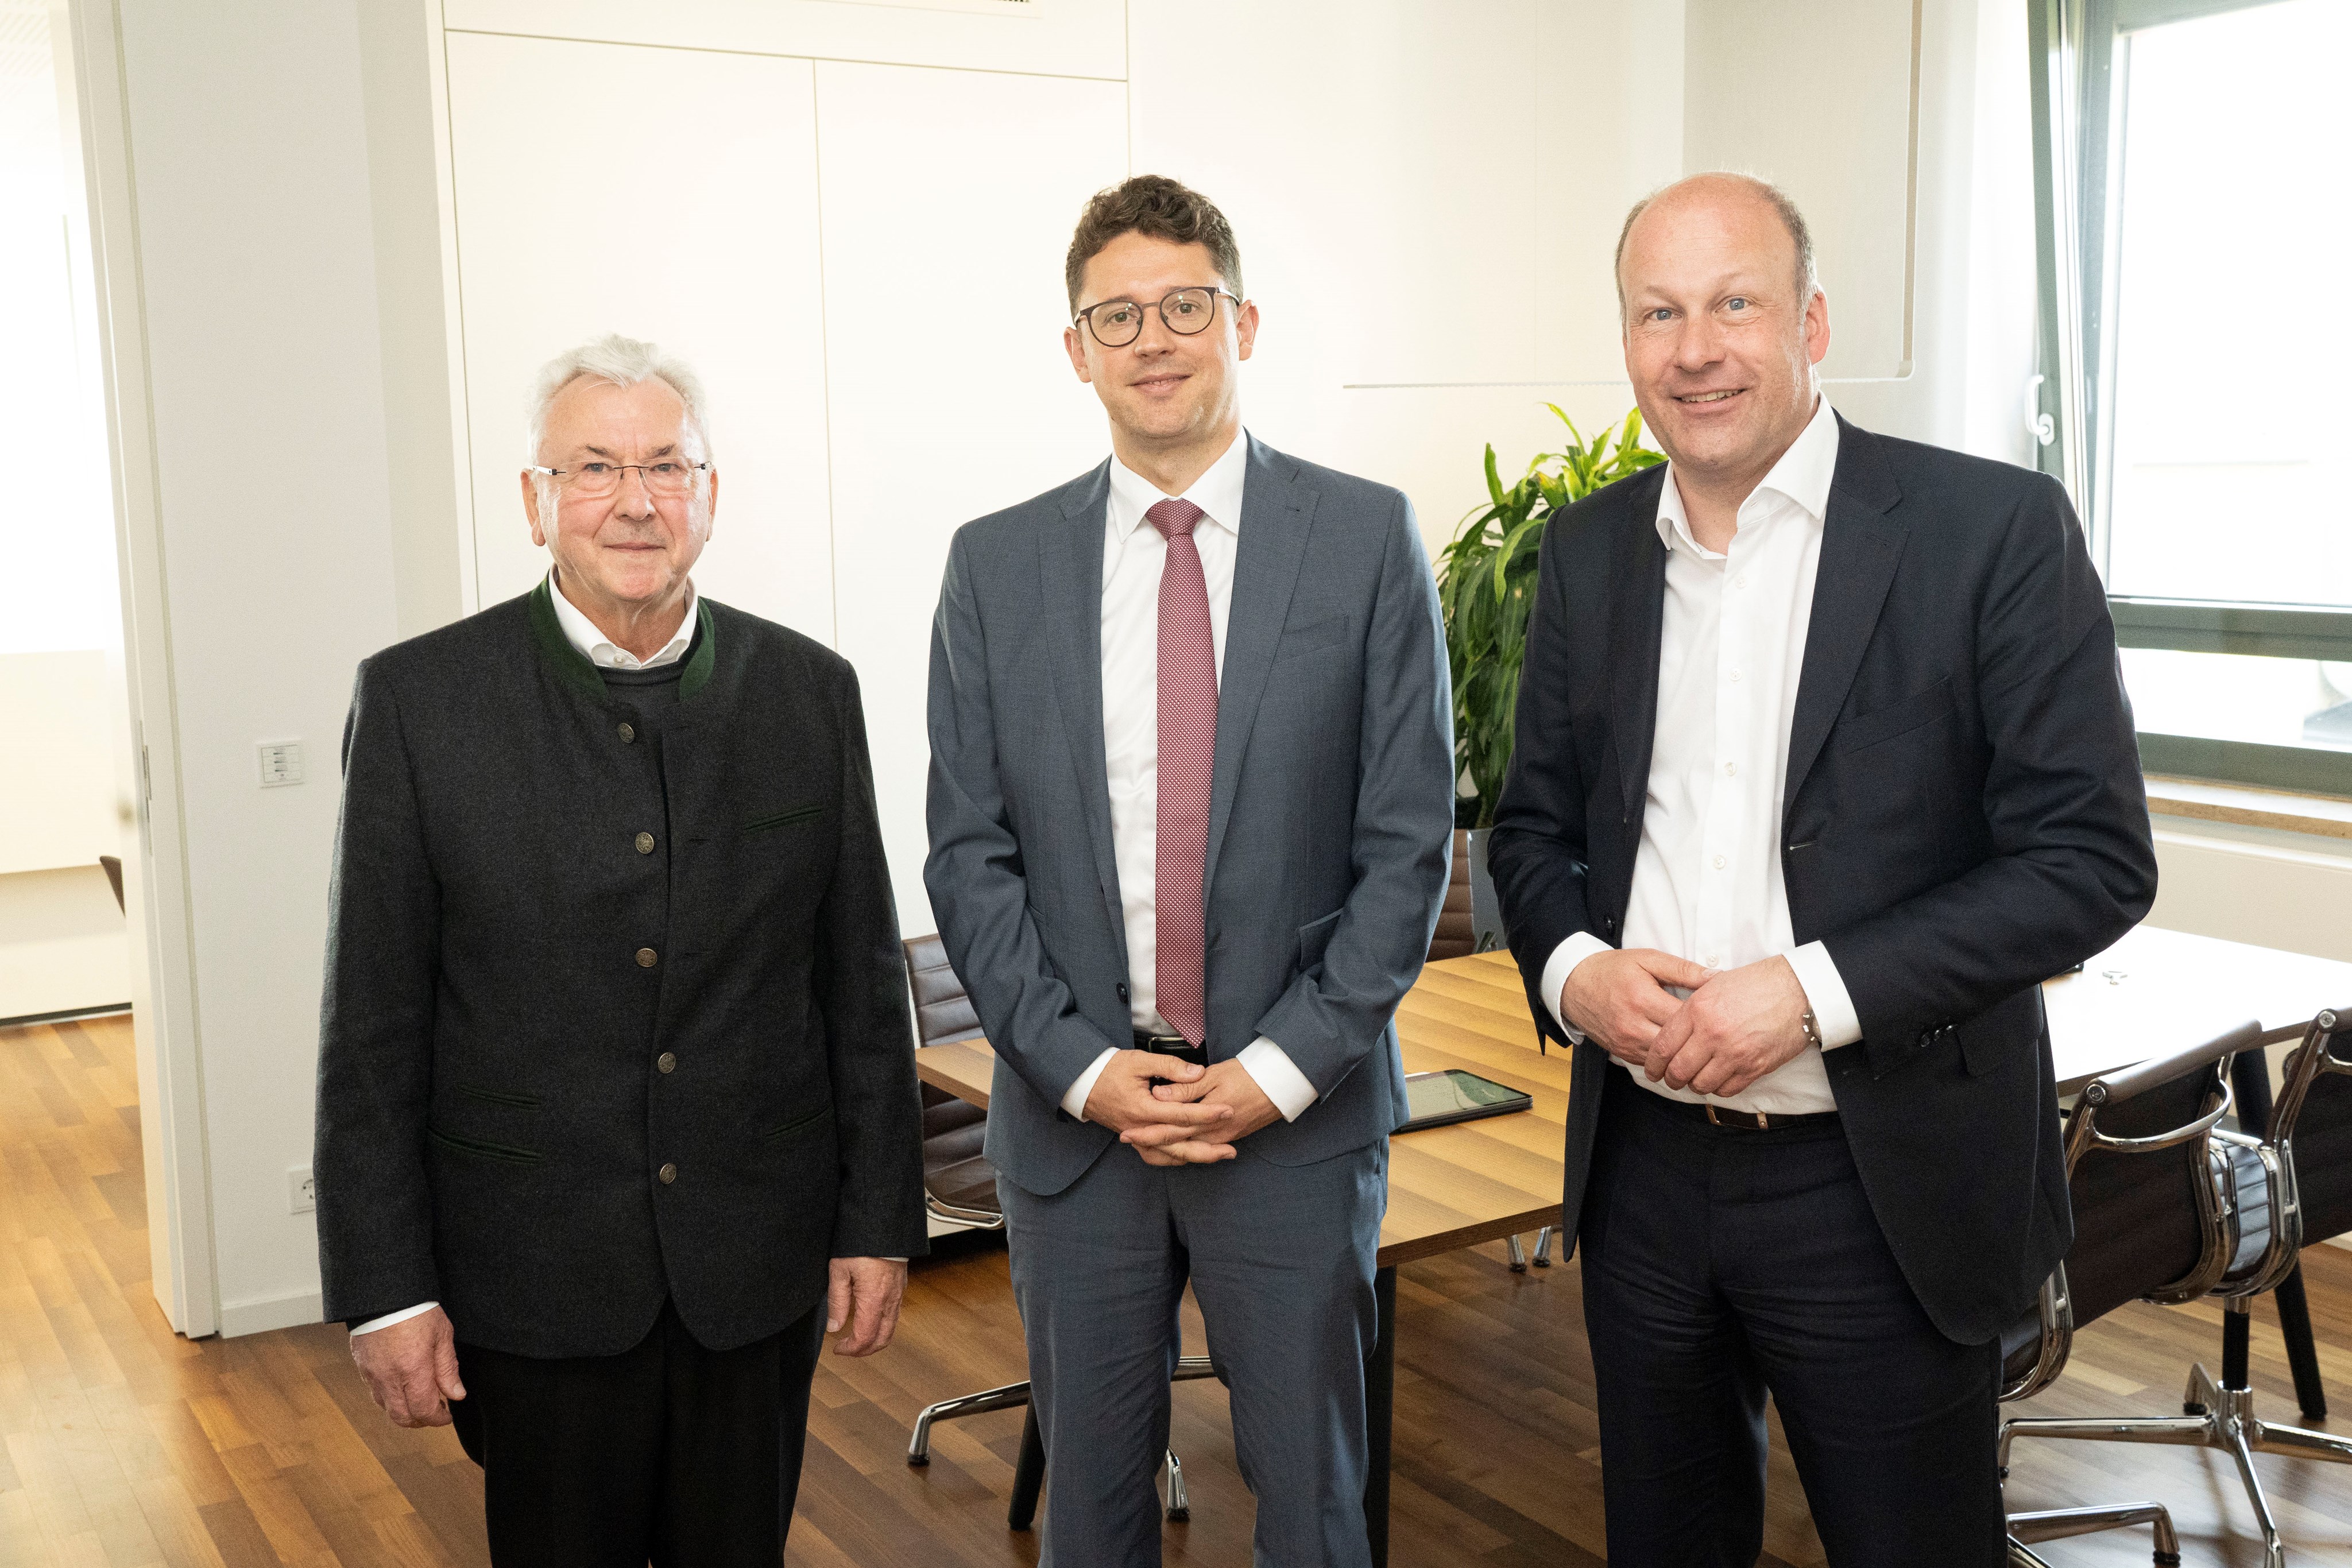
(1808, 281)
(624, 363)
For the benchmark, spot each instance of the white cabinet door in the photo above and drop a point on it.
(1819, 98)
(1045, 38)
(668, 194)
(949, 201)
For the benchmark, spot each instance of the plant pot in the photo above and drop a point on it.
(1486, 932)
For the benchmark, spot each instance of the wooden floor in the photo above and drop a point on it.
(121, 1444)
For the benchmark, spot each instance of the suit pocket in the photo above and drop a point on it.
(1899, 718)
(798, 1123)
(1313, 637)
(807, 813)
(2009, 1031)
(482, 1149)
(1314, 939)
(498, 1096)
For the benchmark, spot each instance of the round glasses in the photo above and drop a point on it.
(1115, 323)
(669, 477)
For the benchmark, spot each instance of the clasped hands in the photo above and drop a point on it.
(1174, 1113)
(1736, 1026)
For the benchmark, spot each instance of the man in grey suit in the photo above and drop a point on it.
(1190, 811)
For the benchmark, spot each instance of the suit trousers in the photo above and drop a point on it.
(1281, 1260)
(668, 1453)
(1720, 1263)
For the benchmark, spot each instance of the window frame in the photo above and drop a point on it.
(2077, 91)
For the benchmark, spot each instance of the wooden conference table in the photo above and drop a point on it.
(1479, 1181)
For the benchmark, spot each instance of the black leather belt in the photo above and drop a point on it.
(1716, 1115)
(1174, 1045)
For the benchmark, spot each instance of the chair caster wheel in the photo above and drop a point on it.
(2004, 1472)
(1184, 1516)
(2192, 1410)
(1543, 1262)
(918, 1461)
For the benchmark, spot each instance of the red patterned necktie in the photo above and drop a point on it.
(1188, 746)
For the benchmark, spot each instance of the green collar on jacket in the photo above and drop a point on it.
(574, 668)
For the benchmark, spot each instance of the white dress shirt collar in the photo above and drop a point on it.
(1802, 476)
(602, 651)
(1217, 492)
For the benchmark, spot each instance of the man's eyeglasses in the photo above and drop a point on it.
(668, 477)
(1115, 323)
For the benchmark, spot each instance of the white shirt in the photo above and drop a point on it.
(602, 651)
(1133, 554)
(1708, 884)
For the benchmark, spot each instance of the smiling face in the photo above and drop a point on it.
(1720, 337)
(629, 552)
(1165, 392)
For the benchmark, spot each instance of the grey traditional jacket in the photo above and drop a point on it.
(610, 1016)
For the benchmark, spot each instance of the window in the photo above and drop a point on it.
(2191, 240)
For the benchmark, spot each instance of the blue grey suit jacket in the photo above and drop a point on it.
(1331, 817)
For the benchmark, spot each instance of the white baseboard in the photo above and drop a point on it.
(2343, 1241)
(266, 1312)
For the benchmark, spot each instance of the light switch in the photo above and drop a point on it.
(281, 763)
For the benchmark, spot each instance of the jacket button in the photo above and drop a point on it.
(666, 1062)
(644, 843)
(647, 958)
(627, 732)
(668, 1175)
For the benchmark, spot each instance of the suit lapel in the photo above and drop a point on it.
(1861, 544)
(1277, 511)
(1069, 569)
(1633, 684)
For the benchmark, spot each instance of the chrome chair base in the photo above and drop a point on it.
(2213, 1418)
(2058, 1523)
(1013, 1395)
(1543, 1251)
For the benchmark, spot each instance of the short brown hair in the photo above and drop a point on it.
(1158, 208)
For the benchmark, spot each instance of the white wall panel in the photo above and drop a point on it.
(1818, 99)
(949, 201)
(697, 227)
(1425, 215)
(1055, 37)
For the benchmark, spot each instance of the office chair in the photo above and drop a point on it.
(2147, 1226)
(2291, 1184)
(1454, 938)
(960, 1187)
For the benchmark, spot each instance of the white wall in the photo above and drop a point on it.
(60, 949)
(62, 942)
(258, 515)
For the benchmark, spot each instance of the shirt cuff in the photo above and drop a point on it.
(1825, 993)
(1278, 1076)
(389, 1319)
(1075, 1100)
(1579, 946)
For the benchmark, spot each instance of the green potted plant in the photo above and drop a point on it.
(1486, 586)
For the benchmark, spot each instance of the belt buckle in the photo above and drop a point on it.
(1763, 1122)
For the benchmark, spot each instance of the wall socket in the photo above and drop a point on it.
(302, 1190)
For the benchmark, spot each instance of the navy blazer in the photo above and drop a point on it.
(1331, 809)
(1963, 818)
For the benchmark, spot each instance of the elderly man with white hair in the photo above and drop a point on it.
(616, 1115)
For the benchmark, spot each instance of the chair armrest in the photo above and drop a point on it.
(2115, 1088)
